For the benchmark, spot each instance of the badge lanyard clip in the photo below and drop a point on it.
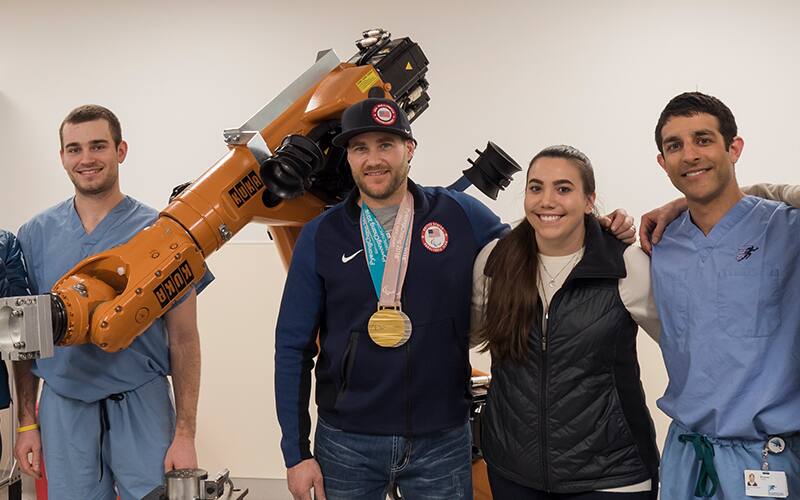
(774, 444)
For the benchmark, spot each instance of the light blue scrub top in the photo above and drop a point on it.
(53, 242)
(729, 305)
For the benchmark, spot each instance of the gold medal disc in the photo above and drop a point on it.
(389, 327)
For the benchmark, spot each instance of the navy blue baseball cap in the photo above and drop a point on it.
(373, 115)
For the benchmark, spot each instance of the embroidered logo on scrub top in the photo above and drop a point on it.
(744, 253)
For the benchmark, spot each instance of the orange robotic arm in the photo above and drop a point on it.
(281, 170)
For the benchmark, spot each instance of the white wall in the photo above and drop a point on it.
(526, 74)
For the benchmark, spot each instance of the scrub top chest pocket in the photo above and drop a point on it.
(749, 301)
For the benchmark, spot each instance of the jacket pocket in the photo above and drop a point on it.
(346, 366)
(748, 302)
(438, 375)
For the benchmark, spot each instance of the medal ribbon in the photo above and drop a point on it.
(387, 258)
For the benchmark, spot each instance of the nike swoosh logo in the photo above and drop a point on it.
(348, 258)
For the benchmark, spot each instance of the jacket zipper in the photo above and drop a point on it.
(408, 388)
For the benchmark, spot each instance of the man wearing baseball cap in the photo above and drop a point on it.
(385, 279)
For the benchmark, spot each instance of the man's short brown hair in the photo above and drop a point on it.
(89, 113)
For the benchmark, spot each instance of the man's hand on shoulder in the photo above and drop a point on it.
(181, 454)
(303, 477)
(620, 224)
(656, 221)
(28, 452)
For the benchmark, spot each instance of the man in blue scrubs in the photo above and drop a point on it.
(727, 286)
(106, 419)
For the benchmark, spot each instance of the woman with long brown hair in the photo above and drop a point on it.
(558, 302)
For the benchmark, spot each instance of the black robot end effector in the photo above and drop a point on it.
(491, 172)
(401, 65)
(288, 172)
(59, 318)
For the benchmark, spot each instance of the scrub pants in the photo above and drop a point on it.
(89, 448)
(680, 467)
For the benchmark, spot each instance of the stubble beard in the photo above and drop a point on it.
(394, 184)
(104, 187)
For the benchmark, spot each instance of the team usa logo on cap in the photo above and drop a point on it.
(434, 237)
(383, 114)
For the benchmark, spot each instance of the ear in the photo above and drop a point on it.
(660, 160)
(122, 151)
(590, 203)
(735, 150)
(410, 148)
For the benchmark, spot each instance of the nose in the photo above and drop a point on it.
(548, 197)
(373, 158)
(690, 153)
(87, 158)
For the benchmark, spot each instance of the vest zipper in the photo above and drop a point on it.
(543, 416)
(544, 331)
(543, 402)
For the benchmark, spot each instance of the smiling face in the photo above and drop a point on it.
(90, 157)
(555, 205)
(379, 164)
(696, 160)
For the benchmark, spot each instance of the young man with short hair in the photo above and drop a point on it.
(727, 286)
(107, 420)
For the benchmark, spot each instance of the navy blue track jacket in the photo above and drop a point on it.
(13, 282)
(418, 388)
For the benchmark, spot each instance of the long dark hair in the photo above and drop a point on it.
(512, 294)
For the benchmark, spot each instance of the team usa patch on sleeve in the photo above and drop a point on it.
(434, 237)
(383, 114)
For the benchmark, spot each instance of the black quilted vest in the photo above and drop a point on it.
(572, 417)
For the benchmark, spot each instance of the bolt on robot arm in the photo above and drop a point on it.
(281, 169)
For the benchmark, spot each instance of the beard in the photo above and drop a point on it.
(94, 188)
(397, 179)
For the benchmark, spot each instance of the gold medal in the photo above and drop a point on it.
(389, 327)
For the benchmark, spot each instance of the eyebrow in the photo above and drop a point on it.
(703, 132)
(380, 139)
(96, 141)
(556, 182)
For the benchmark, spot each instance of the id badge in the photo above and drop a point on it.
(761, 483)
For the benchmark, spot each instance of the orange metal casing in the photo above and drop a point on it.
(131, 285)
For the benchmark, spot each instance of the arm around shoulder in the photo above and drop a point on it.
(636, 291)
(787, 193)
(486, 225)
